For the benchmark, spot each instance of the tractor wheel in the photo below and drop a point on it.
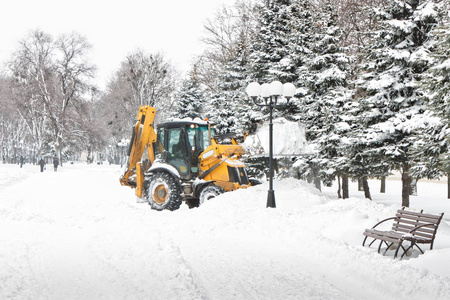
(210, 191)
(163, 191)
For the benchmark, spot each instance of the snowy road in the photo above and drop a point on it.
(78, 234)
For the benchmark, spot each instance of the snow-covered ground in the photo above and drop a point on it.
(78, 234)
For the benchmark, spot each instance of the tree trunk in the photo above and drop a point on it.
(59, 152)
(366, 188)
(316, 178)
(339, 187)
(345, 193)
(360, 185)
(406, 182)
(309, 178)
(413, 187)
(448, 185)
(317, 183)
(383, 185)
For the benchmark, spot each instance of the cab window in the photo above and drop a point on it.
(176, 144)
(198, 137)
(160, 141)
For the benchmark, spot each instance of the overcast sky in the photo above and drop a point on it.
(114, 28)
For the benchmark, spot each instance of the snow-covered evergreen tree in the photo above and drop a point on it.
(233, 81)
(220, 111)
(431, 151)
(190, 100)
(323, 74)
(271, 57)
(268, 57)
(391, 104)
(437, 83)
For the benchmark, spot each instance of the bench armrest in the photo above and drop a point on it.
(391, 218)
(423, 225)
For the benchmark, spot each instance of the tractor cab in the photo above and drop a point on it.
(180, 143)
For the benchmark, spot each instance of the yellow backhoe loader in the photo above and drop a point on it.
(182, 160)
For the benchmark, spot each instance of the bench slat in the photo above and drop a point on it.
(408, 228)
(385, 238)
(417, 214)
(415, 223)
(383, 234)
(414, 218)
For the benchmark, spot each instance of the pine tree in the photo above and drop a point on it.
(391, 104)
(326, 103)
(431, 150)
(233, 81)
(190, 100)
(270, 53)
(274, 53)
(220, 113)
(438, 79)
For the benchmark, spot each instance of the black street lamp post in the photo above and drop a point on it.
(270, 94)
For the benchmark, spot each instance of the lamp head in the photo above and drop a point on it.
(276, 88)
(253, 90)
(288, 90)
(265, 90)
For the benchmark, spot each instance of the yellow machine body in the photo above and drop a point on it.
(202, 160)
(142, 138)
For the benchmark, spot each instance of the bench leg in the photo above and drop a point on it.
(365, 240)
(407, 249)
(379, 246)
(387, 246)
(400, 245)
(420, 249)
(396, 250)
(372, 242)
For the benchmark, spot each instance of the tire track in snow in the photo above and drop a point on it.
(189, 288)
(156, 271)
(255, 272)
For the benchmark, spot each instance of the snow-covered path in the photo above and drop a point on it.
(78, 234)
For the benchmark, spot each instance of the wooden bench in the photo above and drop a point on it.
(414, 227)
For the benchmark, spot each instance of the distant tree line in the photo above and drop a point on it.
(372, 82)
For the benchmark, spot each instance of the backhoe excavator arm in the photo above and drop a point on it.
(143, 136)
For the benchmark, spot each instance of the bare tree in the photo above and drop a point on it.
(230, 30)
(74, 72)
(143, 79)
(32, 70)
(7, 115)
(51, 77)
(151, 77)
(31, 114)
(93, 133)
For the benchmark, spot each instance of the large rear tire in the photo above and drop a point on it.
(209, 192)
(163, 191)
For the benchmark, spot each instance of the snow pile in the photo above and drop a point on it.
(294, 141)
(78, 234)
